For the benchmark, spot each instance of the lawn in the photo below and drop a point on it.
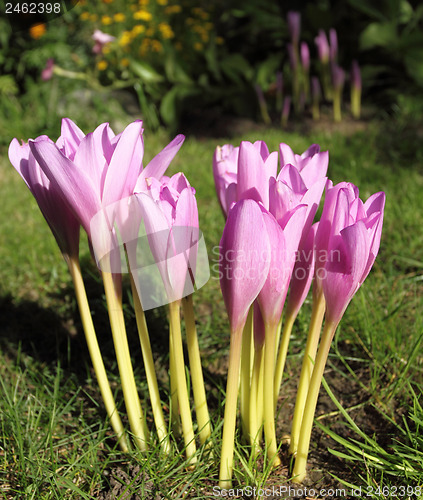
(55, 441)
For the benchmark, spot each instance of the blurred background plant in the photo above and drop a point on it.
(174, 62)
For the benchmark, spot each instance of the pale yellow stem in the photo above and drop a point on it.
(229, 422)
(174, 405)
(95, 353)
(283, 350)
(268, 395)
(337, 98)
(300, 465)
(260, 400)
(200, 399)
(316, 321)
(256, 402)
(182, 390)
(130, 393)
(246, 367)
(150, 371)
(278, 337)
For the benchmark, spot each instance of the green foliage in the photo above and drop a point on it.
(393, 36)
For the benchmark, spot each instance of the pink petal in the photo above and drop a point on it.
(314, 168)
(312, 199)
(90, 160)
(230, 198)
(70, 138)
(244, 262)
(253, 182)
(282, 199)
(18, 156)
(292, 178)
(118, 170)
(272, 295)
(348, 257)
(159, 164)
(302, 274)
(287, 155)
(74, 185)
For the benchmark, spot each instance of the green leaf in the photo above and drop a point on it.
(146, 72)
(266, 73)
(236, 68)
(413, 61)
(174, 71)
(8, 86)
(379, 35)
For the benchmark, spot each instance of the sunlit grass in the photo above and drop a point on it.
(55, 441)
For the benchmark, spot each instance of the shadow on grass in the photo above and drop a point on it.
(53, 334)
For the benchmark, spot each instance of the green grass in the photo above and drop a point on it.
(55, 441)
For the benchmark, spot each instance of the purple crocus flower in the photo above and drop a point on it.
(322, 44)
(316, 91)
(47, 72)
(333, 42)
(305, 56)
(338, 77)
(355, 75)
(294, 26)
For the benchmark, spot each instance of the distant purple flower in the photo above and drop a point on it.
(355, 75)
(279, 82)
(286, 109)
(260, 95)
(322, 47)
(101, 39)
(316, 90)
(292, 56)
(294, 25)
(47, 72)
(305, 56)
(333, 42)
(338, 76)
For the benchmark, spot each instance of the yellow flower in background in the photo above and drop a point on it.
(137, 30)
(198, 11)
(142, 15)
(145, 45)
(37, 31)
(220, 40)
(166, 31)
(198, 46)
(106, 20)
(173, 9)
(106, 49)
(162, 2)
(101, 65)
(125, 39)
(124, 62)
(119, 17)
(143, 3)
(156, 46)
(93, 17)
(85, 16)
